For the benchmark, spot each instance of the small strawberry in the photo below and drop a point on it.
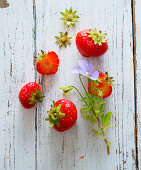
(30, 94)
(47, 63)
(104, 86)
(63, 115)
(91, 43)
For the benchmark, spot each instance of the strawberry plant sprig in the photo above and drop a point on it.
(93, 103)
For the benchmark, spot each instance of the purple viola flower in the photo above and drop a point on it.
(86, 69)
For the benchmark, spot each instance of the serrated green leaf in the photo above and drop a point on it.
(107, 118)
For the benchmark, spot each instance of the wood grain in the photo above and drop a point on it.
(17, 133)
(137, 25)
(63, 150)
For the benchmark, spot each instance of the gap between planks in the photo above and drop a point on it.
(135, 79)
(34, 54)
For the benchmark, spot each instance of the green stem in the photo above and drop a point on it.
(82, 83)
(77, 91)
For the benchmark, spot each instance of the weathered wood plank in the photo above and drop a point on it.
(63, 150)
(17, 133)
(137, 29)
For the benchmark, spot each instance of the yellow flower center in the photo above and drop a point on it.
(87, 74)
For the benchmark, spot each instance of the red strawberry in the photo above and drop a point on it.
(47, 63)
(104, 85)
(30, 94)
(91, 43)
(63, 115)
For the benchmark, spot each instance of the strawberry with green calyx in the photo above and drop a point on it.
(47, 63)
(93, 103)
(62, 115)
(104, 86)
(63, 39)
(30, 94)
(91, 43)
(69, 17)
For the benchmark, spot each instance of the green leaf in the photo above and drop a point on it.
(100, 103)
(51, 124)
(86, 108)
(108, 126)
(47, 118)
(72, 23)
(62, 13)
(96, 132)
(70, 10)
(92, 119)
(107, 118)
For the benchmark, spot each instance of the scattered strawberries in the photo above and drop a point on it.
(47, 63)
(104, 85)
(91, 43)
(63, 115)
(30, 94)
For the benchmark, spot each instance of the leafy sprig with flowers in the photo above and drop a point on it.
(93, 104)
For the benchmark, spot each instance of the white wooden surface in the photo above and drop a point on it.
(26, 140)
(138, 70)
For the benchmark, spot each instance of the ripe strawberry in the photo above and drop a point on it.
(30, 94)
(91, 43)
(47, 63)
(104, 85)
(63, 115)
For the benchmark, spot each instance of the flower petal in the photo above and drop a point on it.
(94, 75)
(90, 68)
(78, 70)
(84, 65)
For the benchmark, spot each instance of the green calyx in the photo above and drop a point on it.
(36, 96)
(69, 17)
(63, 39)
(40, 56)
(54, 115)
(66, 90)
(97, 36)
(109, 79)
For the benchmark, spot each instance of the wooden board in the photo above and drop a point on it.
(63, 150)
(17, 125)
(27, 142)
(137, 27)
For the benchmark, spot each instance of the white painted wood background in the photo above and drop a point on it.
(26, 141)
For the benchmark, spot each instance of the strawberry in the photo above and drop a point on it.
(30, 94)
(62, 115)
(104, 85)
(47, 63)
(91, 43)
